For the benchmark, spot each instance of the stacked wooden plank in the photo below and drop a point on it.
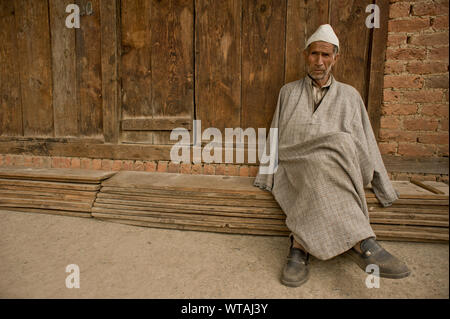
(69, 192)
(420, 213)
(233, 205)
(195, 202)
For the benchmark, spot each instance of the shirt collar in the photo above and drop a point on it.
(311, 81)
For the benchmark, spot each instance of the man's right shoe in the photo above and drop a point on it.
(295, 272)
(373, 253)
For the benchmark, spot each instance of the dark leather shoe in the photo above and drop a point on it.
(373, 253)
(295, 272)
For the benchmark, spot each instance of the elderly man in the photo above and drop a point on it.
(326, 153)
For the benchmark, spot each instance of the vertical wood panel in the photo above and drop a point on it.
(377, 55)
(218, 63)
(88, 55)
(110, 48)
(136, 59)
(303, 18)
(172, 61)
(347, 17)
(35, 66)
(10, 100)
(65, 107)
(263, 51)
(172, 58)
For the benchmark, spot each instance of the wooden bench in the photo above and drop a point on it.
(233, 205)
(225, 204)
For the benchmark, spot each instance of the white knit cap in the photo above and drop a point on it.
(323, 33)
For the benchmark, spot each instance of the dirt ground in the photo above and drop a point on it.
(121, 261)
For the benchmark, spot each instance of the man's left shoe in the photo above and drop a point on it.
(373, 253)
(295, 271)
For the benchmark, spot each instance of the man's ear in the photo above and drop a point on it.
(336, 58)
(305, 53)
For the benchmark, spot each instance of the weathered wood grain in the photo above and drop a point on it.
(421, 165)
(407, 221)
(136, 209)
(89, 73)
(413, 202)
(181, 182)
(136, 58)
(264, 197)
(213, 203)
(156, 124)
(376, 67)
(191, 220)
(89, 150)
(190, 207)
(191, 215)
(410, 190)
(52, 185)
(427, 187)
(34, 56)
(381, 234)
(263, 65)
(197, 227)
(65, 105)
(110, 62)
(175, 198)
(136, 137)
(303, 18)
(172, 57)
(10, 98)
(347, 17)
(438, 185)
(218, 63)
(56, 174)
(49, 191)
(428, 209)
(409, 233)
(417, 239)
(47, 195)
(408, 215)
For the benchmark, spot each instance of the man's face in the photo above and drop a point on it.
(320, 58)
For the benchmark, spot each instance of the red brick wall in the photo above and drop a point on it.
(414, 118)
(11, 160)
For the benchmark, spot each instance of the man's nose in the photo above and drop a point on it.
(319, 60)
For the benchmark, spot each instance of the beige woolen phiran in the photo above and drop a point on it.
(325, 158)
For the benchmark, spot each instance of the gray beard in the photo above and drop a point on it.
(327, 72)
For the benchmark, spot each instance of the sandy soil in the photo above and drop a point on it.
(121, 261)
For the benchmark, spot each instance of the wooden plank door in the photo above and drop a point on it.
(157, 69)
(10, 98)
(246, 50)
(239, 47)
(34, 62)
(348, 20)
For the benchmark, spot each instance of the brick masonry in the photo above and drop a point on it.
(12, 160)
(414, 114)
